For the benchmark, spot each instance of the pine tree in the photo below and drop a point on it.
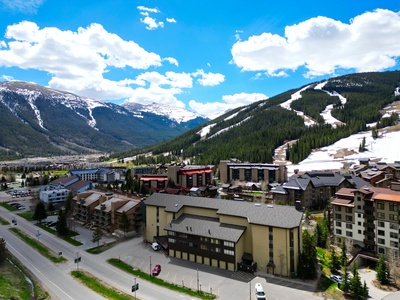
(307, 258)
(343, 257)
(356, 287)
(365, 291)
(40, 212)
(124, 222)
(382, 274)
(345, 284)
(335, 262)
(61, 227)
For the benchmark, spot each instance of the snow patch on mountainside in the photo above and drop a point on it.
(227, 128)
(327, 112)
(205, 130)
(346, 151)
(296, 96)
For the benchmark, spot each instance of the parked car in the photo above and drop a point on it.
(156, 270)
(259, 291)
(155, 246)
(336, 278)
(21, 207)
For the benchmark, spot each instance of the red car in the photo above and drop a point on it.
(156, 270)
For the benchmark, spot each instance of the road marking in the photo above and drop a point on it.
(40, 272)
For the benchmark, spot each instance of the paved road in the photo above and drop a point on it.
(225, 284)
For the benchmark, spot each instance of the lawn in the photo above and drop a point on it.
(13, 283)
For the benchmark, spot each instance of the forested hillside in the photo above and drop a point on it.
(253, 132)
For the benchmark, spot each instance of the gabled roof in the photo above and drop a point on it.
(207, 227)
(64, 180)
(262, 214)
(127, 206)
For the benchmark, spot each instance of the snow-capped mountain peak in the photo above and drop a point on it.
(177, 114)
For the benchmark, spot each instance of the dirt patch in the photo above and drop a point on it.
(390, 287)
(343, 152)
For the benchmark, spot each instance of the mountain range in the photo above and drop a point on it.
(309, 117)
(39, 121)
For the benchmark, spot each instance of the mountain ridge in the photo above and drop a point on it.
(36, 120)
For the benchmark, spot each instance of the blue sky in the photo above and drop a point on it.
(205, 56)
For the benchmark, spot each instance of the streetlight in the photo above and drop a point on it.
(150, 266)
(197, 279)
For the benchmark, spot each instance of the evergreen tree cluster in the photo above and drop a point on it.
(313, 102)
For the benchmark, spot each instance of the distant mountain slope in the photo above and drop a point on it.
(38, 121)
(316, 115)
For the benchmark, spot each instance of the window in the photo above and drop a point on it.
(229, 252)
(381, 241)
(359, 231)
(338, 208)
(381, 215)
(214, 241)
(229, 244)
(171, 240)
(349, 210)
(393, 206)
(349, 233)
(183, 235)
(215, 249)
(338, 216)
(394, 244)
(349, 226)
(338, 223)
(359, 215)
(172, 233)
(381, 232)
(381, 250)
(381, 224)
(203, 239)
(394, 226)
(359, 207)
(338, 231)
(393, 217)
(380, 205)
(349, 218)
(359, 223)
(203, 247)
(394, 235)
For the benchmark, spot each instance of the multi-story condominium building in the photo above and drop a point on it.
(190, 176)
(254, 172)
(227, 234)
(57, 190)
(96, 175)
(154, 182)
(105, 210)
(368, 218)
(313, 189)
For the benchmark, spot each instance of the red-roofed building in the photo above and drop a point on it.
(190, 176)
(154, 182)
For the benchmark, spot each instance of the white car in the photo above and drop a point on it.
(155, 246)
(336, 278)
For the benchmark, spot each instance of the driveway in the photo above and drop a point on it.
(369, 275)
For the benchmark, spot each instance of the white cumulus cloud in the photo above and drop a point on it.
(151, 23)
(369, 42)
(170, 20)
(148, 9)
(208, 79)
(229, 102)
(77, 61)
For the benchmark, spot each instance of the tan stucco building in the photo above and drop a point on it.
(227, 234)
